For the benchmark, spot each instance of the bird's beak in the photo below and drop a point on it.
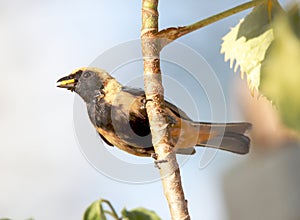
(67, 82)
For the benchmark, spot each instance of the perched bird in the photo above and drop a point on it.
(119, 115)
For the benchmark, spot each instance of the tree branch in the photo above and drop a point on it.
(170, 34)
(169, 171)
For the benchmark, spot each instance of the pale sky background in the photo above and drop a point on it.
(43, 173)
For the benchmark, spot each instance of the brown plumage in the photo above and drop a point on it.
(119, 115)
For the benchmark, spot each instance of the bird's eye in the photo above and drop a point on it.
(87, 74)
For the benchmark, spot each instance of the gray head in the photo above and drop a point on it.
(86, 82)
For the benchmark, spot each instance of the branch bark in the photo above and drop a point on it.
(169, 170)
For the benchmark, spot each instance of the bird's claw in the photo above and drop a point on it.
(145, 101)
(157, 162)
(154, 156)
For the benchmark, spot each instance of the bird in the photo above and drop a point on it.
(119, 116)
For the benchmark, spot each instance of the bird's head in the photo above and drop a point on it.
(86, 82)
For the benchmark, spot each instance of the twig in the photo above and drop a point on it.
(169, 171)
(170, 34)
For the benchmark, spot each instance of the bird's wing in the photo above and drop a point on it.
(130, 120)
(133, 91)
(177, 111)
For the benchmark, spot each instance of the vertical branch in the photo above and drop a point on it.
(169, 171)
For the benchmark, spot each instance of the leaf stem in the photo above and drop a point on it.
(113, 212)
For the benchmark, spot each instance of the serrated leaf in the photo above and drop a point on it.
(139, 214)
(94, 212)
(280, 78)
(246, 44)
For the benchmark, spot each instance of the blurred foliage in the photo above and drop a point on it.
(96, 212)
(280, 75)
(265, 46)
(139, 214)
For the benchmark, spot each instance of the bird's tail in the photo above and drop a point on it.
(225, 136)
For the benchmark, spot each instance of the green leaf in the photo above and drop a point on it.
(139, 214)
(246, 44)
(94, 212)
(280, 78)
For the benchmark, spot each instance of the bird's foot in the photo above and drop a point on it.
(157, 162)
(154, 156)
(145, 101)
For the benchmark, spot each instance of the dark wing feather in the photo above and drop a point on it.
(133, 91)
(131, 110)
(177, 111)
